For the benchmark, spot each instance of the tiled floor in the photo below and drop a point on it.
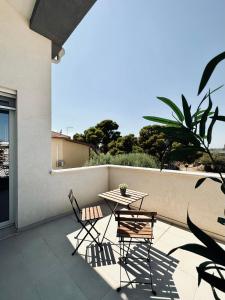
(37, 264)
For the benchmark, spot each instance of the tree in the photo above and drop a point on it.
(124, 144)
(153, 140)
(100, 135)
(110, 133)
(79, 137)
(93, 136)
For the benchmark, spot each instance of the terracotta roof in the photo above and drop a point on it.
(60, 135)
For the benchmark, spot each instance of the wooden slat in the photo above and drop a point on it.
(133, 219)
(131, 196)
(138, 193)
(83, 215)
(91, 216)
(132, 192)
(91, 213)
(96, 212)
(116, 198)
(100, 215)
(135, 212)
(87, 213)
(145, 232)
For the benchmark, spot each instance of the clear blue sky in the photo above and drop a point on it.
(124, 53)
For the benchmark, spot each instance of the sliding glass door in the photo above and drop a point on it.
(4, 167)
(7, 160)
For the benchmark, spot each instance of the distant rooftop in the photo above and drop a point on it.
(60, 135)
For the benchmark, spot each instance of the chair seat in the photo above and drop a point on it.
(91, 213)
(135, 230)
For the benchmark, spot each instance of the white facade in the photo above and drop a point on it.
(25, 67)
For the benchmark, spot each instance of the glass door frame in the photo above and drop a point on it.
(12, 163)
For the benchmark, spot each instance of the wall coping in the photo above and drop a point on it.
(185, 173)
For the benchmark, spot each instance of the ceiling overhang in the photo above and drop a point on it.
(56, 20)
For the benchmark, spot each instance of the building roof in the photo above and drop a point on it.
(56, 20)
(57, 135)
(60, 135)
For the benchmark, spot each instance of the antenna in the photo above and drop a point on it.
(69, 128)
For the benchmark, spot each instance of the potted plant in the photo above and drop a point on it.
(123, 187)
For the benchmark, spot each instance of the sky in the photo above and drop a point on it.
(124, 54)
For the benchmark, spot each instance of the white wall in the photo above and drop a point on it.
(171, 193)
(25, 66)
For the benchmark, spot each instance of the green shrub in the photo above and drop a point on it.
(131, 159)
(209, 167)
(99, 159)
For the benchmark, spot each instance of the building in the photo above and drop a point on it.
(67, 153)
(30, 40)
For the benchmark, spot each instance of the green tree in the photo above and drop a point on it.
(124, 144)
(100, 135)
(79, 137)
(110, 133)
(153, 140)
(93, 136)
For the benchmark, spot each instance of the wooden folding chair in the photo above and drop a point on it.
(135, 227)
(86, 216)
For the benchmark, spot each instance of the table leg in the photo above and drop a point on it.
(112, 213)
(141, 203)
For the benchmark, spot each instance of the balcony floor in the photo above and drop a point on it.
(37, 264)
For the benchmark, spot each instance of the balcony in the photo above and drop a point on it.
(36, 263)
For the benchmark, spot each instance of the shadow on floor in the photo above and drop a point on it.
(162, 266)
(97, 257)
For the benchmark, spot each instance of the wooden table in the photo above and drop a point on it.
(115, 197)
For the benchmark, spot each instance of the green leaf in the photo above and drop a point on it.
(201, 180)
(209, 134)
(220, 118)
(199, 116)
(162, 120)
(181, 135)
(204, 119)
(173, 106)
(213, 91)
(183, 152)
(209, 70)
(187, 112)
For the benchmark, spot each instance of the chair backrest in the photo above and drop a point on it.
(140, 216)
(74, 204)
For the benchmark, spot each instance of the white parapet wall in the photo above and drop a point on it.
(51, 200)
(172, 193)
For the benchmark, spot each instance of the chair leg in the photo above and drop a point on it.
(88, 233)
(128, 250)
(119, 288)
(150, 267)
(79, 233)
(89, 222)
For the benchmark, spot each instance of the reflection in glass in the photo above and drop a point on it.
(4, 166)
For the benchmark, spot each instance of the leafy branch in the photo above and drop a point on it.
(194, 131)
